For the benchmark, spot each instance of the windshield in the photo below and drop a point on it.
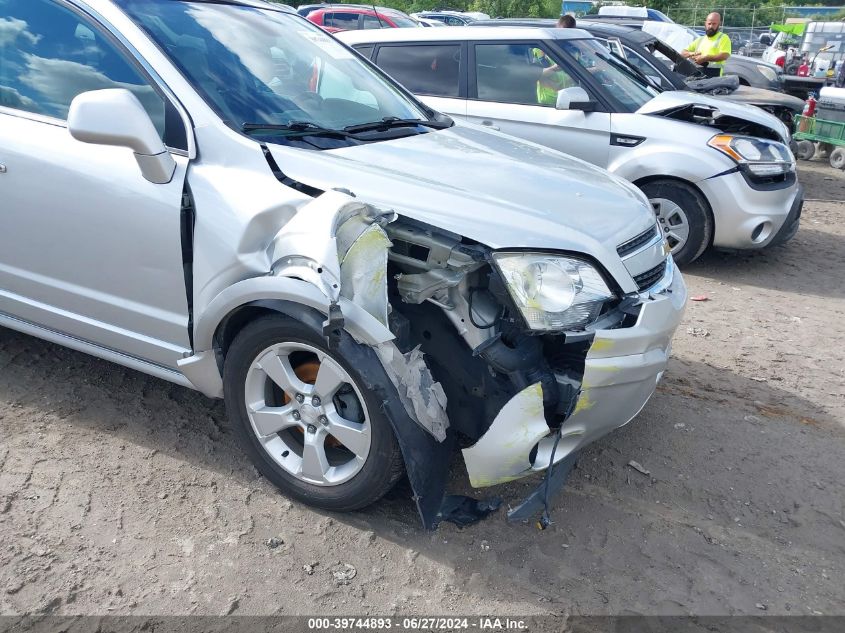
(618, 80)
(258, 68)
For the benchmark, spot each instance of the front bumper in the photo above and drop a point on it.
(745, 217)
(790, 226)
(622, 369)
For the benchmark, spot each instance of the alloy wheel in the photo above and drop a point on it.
(674, 224)
(307, 413)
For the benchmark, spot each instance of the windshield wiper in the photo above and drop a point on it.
(391, 121)
(299, 127)
(632, 71)
(625, 65)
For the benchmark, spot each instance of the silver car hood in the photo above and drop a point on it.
(489, 187)
(672, 99)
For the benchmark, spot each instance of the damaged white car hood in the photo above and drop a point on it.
(673, 99)
(491, 188)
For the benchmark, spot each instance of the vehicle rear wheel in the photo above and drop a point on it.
(305, 417)
(837, 158)
(684, 218)
(806, 150)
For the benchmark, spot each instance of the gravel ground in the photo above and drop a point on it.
(123, 494)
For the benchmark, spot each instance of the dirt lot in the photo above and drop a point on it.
(123, 494)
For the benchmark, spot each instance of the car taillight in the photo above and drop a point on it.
(780, 61)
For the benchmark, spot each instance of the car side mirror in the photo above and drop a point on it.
(575, 98)
(765, 40)
(115, 117)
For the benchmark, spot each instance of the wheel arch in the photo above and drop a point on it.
(640, 183)
(243, 302)
(426, 459)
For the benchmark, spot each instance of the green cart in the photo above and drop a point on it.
(830, 135)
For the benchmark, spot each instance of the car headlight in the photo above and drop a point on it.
(760, 156)
(553, 292)
(768, 73)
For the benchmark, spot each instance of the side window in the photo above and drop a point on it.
(450, 21)
(428, 69)
(49, 55)
(348, 21)
(365, 49)
(518, 73)
(333, 83)
(372, 22)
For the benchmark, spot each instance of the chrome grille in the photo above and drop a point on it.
(632, 245)
(650, 277)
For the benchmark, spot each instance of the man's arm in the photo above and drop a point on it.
(689, 51)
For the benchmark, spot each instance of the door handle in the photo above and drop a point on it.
(490, 125)
(2, 168)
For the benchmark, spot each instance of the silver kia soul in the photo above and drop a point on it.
(222, 195)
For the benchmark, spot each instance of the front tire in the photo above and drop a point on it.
(305, 417)
(684, 218)
(837, 158)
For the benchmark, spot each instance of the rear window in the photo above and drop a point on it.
(425, 69)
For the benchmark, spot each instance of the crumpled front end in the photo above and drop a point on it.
(458, 352)
(531, 375)
(621, 370)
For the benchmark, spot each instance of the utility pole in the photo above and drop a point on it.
(753, 14)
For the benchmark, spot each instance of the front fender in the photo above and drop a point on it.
(364, 327)
(661, 153)
(202, 369)
(659, 158)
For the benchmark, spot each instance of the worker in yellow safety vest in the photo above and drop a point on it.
(553, 78)
(712, 49)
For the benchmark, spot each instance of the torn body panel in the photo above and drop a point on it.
(458, 360)
(340, 246)
(621, 370)
(417, 388)
(334, 228)
(500, 454)
(718, 113)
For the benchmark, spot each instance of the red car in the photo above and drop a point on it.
(340, 18)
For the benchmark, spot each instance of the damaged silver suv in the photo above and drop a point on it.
(221, 195)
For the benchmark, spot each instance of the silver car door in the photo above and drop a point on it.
(513, 89)
(432, 71)
(88, 247)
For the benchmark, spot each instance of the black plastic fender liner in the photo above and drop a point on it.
(426, 459)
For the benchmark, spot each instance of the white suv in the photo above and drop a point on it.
(222, 195)
(716, 172)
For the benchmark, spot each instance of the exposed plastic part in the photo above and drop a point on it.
(502, 452)
(464, 511)
(423, 398)
(537, 500)
(313, 243)
(363, 271)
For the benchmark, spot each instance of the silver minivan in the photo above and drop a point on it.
(222, 195)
